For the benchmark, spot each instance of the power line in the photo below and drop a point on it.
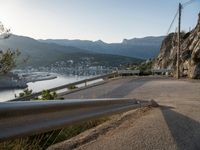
(171, 24)
(188, 3)
(175, 16)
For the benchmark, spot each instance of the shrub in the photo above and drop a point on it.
(72, 87)
(25, 93)
(47, 95)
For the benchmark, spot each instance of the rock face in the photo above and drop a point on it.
(189, 55)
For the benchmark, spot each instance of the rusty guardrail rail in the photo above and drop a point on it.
(25, 118)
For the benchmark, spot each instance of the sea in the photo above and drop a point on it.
(6, 95)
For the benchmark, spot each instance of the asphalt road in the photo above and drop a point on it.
(174, 125)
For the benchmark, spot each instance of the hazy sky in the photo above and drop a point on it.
(108, 20)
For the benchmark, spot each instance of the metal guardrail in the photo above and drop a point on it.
(161, 70)
(85, 81)
(18, 119)
(117, 73)
(137, 72)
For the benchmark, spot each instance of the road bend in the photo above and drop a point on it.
(174, 125)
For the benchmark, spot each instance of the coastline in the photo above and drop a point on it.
(51, 77)
(13, 81)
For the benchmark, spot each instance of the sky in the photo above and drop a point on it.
(108, 20)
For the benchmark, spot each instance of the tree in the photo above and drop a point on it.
(4, 33)
(7, 57)
(8, 60)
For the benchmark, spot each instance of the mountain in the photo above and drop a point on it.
(144, 48)
(37, 52)
(45, 54)
(189, 55)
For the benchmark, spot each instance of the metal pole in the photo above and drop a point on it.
(179, 42)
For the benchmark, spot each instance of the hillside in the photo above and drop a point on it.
(144, 48)
(190, 53)
(45, 54)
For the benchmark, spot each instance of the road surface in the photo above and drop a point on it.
(173, 125)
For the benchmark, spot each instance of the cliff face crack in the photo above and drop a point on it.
(190, 53)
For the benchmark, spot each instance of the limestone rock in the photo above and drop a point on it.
(189, 55)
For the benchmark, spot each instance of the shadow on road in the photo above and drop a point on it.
(113, 89)
(124, 89)
(185, 131)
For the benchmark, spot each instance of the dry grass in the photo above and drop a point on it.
(42, 141)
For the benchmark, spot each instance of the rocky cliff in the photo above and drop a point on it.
(189, 55)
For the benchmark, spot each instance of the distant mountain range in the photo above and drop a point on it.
(144, 48)
(45, 53)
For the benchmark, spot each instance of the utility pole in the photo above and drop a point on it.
(179, 42)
